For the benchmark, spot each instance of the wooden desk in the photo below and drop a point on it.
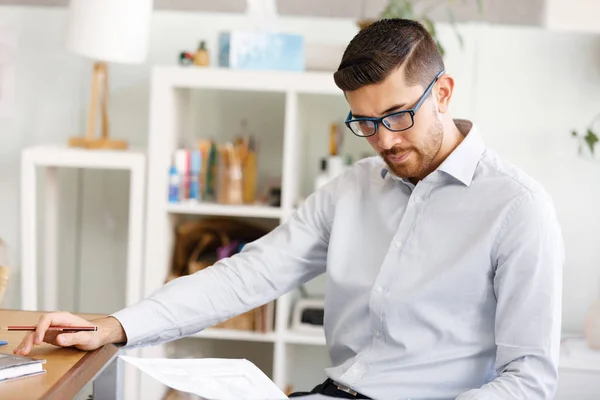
(68, 370)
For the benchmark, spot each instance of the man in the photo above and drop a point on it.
(443, 261)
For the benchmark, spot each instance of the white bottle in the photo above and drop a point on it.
(323, 176)
(335, 166)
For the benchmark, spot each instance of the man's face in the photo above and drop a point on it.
(410, 153)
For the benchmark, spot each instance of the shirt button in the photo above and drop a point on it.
(379, 289)
(398, 244)
(377, 333)
(417, 199)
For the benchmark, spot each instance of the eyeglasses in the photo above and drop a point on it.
(397, 121)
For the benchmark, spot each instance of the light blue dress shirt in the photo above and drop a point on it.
(447, 289)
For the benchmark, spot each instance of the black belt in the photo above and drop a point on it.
(348, 392)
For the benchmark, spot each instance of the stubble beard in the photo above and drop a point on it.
(419, 160)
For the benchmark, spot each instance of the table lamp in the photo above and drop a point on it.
(106, 31)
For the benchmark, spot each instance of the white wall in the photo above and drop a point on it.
(526, 88)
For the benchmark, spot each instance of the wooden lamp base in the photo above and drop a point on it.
(96, 144)
(99, 93)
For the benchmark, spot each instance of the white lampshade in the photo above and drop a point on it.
(110, 30)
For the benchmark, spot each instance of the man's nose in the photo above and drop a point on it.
(386, 138)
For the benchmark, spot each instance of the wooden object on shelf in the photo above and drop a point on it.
(201, 57)
(242, 322)
(173, 394)
(196, 247)
(229, 185)
(4, 275)
(207, 234)
(4, 270)
(249, 170)
(98, 97)
(289, 389)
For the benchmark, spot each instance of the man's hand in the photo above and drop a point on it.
(109, 331)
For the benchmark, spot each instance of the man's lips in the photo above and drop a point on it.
(398, 158)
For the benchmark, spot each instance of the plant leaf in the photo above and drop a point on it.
(398, 9)
(574, 133)
(452, 20)
(591, 139)
(429, 25)
(480, 7)
(440, 48)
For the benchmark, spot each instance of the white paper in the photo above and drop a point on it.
(211, 378)
(8, 45)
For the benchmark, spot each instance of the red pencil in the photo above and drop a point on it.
(53, 328)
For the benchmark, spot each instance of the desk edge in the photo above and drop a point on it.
(84, 371)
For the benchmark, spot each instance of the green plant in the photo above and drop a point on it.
(590, 140)
(406, 9)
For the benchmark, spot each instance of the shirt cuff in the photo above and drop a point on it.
(134, 321)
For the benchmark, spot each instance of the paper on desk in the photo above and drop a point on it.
(211, 378)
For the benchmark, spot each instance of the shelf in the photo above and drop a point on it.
(230, 334)
(226, 210)
(575, 354)
(63, 156)
(305, 338)
(289, 337)
(246, 80)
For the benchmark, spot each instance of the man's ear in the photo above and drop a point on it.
(443, 91)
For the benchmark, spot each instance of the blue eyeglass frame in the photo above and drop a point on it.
(381, 120)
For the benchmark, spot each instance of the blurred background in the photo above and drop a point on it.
(124, 128)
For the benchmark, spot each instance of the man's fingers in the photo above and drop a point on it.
(59, 318)
(26, 344)
(73, 339)
(42, 327)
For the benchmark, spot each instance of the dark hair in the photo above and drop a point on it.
(378, 50)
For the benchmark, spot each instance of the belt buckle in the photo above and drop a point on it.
(345, 389)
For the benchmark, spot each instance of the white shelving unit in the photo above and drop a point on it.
(226, 211)
(226, 334)
(194, 103)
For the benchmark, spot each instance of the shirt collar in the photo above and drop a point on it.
(462, 162)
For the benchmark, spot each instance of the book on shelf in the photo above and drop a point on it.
(260, 320)
(264, 318)
(15, 367)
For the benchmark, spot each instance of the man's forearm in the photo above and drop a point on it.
(111, 330)
(291, 254)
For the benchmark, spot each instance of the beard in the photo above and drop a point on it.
(417, 162)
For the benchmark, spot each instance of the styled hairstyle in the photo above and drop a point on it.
(383, 47)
